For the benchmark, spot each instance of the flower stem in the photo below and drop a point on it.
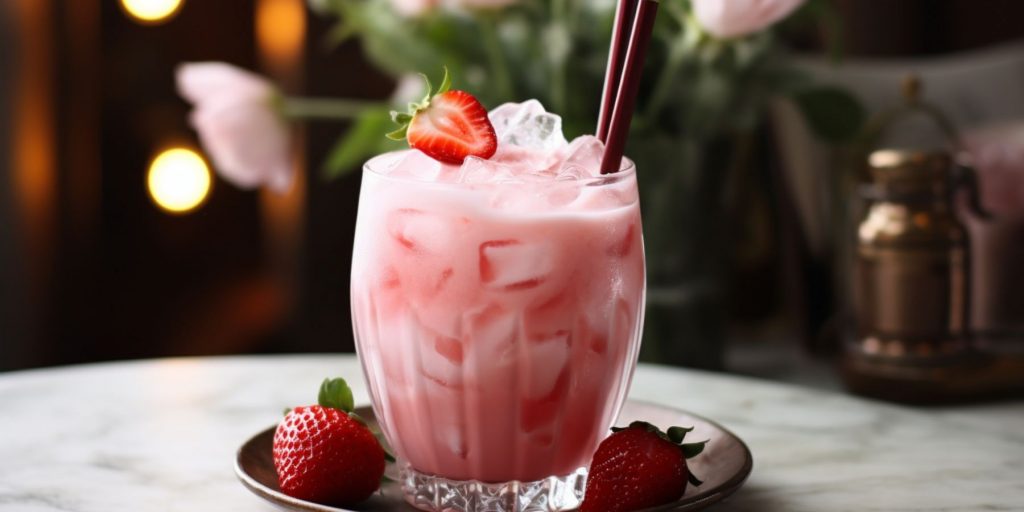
(499, 65)
(325, 108)
(667, 78)
(686, 42)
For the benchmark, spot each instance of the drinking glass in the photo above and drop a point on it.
(498, 325)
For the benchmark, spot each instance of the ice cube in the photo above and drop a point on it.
(543, 132)
(527, 159)
(565, 189)
(584, 153)
(528, 125)
(478, 171)
(414, 164)
(440, 358)
(510, 115)
(512, 265)
(420, 231)
(517, 198)
(547, 360)
(492, 332)
(572, 173)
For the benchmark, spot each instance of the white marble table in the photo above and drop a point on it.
(161, 436)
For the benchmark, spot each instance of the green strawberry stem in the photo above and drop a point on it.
(336, 394)
(405, 118)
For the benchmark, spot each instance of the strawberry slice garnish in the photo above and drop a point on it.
(448, 126)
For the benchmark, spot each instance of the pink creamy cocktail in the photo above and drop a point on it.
(497, 305)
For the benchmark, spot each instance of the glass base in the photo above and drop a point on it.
(438, 494)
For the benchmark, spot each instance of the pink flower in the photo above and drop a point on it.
(737, 18)
(997, 154)
(238, 123)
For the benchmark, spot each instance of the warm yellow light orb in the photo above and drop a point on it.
(178, 180)
(151, 11)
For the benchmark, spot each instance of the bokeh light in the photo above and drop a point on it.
(151, 11)
(178, 180)
(280, 31)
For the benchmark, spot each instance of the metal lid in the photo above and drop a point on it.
(909, 166)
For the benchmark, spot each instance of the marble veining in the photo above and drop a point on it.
(161, 436)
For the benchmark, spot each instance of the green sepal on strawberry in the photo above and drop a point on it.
(325, 453)
(639, 467)
(448, 126)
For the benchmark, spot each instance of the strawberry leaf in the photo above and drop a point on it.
(430, 90)
(398, 134)
(380, 439)
(446, 82)
(359, 419)
(677, 434)
(694, 480)
(401, 117)
(691, 450)
(336, 394)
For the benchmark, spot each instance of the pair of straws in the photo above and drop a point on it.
(631, 36)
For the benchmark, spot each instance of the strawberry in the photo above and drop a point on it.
(448, 126)
(639, 467)
(325, 453)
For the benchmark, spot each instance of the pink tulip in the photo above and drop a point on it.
(238, 122)
(736, 18)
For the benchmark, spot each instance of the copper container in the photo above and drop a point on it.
(912, 340)
(911, 272)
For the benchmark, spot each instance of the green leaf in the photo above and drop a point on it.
(694, 480)
(401, 117)
(430, 88)
(380, 440)
(359, 419)
(691, 450)
(360, 142)
(446, 82)
(335, 393)
(677, 434)
(832, 113)
(398, 134)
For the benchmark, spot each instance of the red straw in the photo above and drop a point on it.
(625, 99)
(616, 56)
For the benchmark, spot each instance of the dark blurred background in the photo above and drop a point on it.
(91, 268)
